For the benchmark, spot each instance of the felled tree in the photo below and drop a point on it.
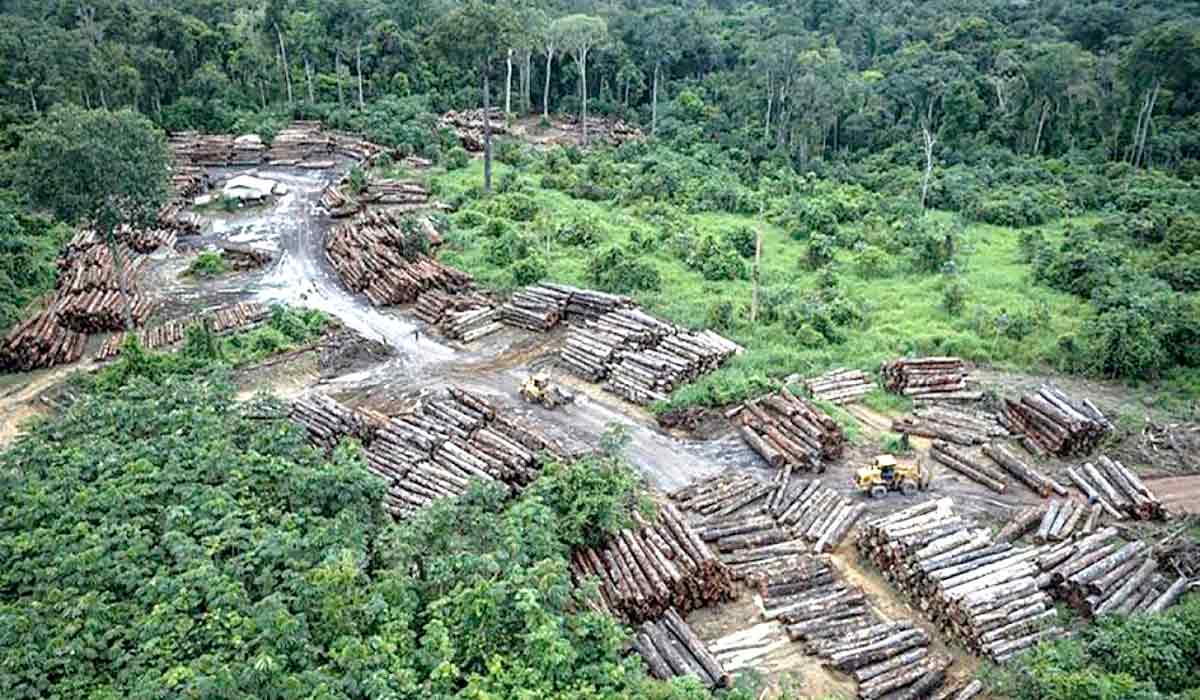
(96, 167)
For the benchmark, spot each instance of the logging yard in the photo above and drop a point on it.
(1054, 499)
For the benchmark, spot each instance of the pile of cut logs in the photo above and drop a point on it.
(1052, 422)
(1037, 482)
(756, 524)
(926, 377)
(400, 195)
(38, 342)
(449, 440)
(982, 593)
(466, 317)
(380, 254)
(958, 426)
(832, 621)
(303, 144)
(840, 386)
(327, 422)
(644, 572)
(220, 321)
(789, 431)
(102, 310)
(671, 649)
(640, 357)
(1099, 575)
(613, 132)
(537, 308)
(468, 126)
(1117, 489)
(969, 466)
(244, 257)
(337, 203)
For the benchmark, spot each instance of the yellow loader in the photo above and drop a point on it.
(885, 474)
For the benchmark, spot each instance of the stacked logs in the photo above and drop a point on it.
(466, 317)
(327, 422)
(789, 431)
(435, 451)
(220, 321)
(102, 310)
(40, 341)
(468, 126)
(969, 466)
(1102, 575)
(1052, 422)
(983, 593)
(1117, 489)
(951, 425)
(755, 524)
(1036, 481)
(537, 308)
(337, 203)
(925, 377)
(644, 572)
(404, 195)
(840, 386)
(833, 622)
(610, 131)
(380, 254)
(303, 144)
(671, 649)
(244, 257)
(89, 289)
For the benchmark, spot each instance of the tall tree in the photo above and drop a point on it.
(477, 33)
(578, 35)
(99, 168)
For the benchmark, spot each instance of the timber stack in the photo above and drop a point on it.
(969, 466)
(613, 132)
(327, 422)
(926, 377)
(220, 321)
(399, 195)
(1036, 481)
(1117, 489)
(38, 342)
(538, 308)
(90, 299)
(840, 386)
(468, 126)
(755, 525)
(788, 431)
(1104, 575)
(671, 649)
(337, 202)
(1052, 422)
(244, 257)
(958, 426)
(985, 594)
(381, 254)
(831, 620)
(466, 317)
(660, 565)
(451, 439)
(303, 144)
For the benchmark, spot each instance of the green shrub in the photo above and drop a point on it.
(820, 251)
(621, 271)
(742, 239)
(208, 264)
(954, 296)
(457, 158)
(528, 270)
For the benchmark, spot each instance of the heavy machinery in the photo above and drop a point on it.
(886, 474)
(539, 389)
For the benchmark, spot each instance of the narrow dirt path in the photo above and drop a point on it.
(1180, 494)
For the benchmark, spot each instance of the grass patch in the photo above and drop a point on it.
(886, 402)
(896, 444)
(207, 265)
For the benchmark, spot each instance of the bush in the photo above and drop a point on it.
(528, 270)
(820, 251)
(208, 264)
(742, 239)
(457, 158)
(954, 296)
(621, 271)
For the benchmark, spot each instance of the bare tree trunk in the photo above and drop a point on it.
(930, 140)
(1139, 154)
(308, 78)
(337, 69)
(283, 59)
(33, 99)
(546, 92)
(583, 82)
(757, 269)
(487, 136)
(770, 104)
(358, 66)
(654, 101)
(508, 83)
(528, 80)
(1037, 140)
(262, 94)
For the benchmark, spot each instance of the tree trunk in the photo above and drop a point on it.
(283, 59)
(654, 100)
(930, 140)
(583, 81)
(33, 99)
(1037, 140)
(546, 91)
(487, 136)
(508, 83)
(770, 104)
(1140, 155)
(757, 268)
(337, 69)
(308, 79)
(358, 67)
(528, 81)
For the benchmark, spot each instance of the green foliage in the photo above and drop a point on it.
(1147, 657)
(954, 296)
(528, 270)
(457, 158)
(619, 270)
(208, 264)
(28, 247)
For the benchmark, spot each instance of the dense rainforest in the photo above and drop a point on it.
(1012, 182)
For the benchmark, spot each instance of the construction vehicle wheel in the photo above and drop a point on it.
(878, 491)
(907, 488)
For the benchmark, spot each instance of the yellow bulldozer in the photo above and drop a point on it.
(885, 474)
(540, 390)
